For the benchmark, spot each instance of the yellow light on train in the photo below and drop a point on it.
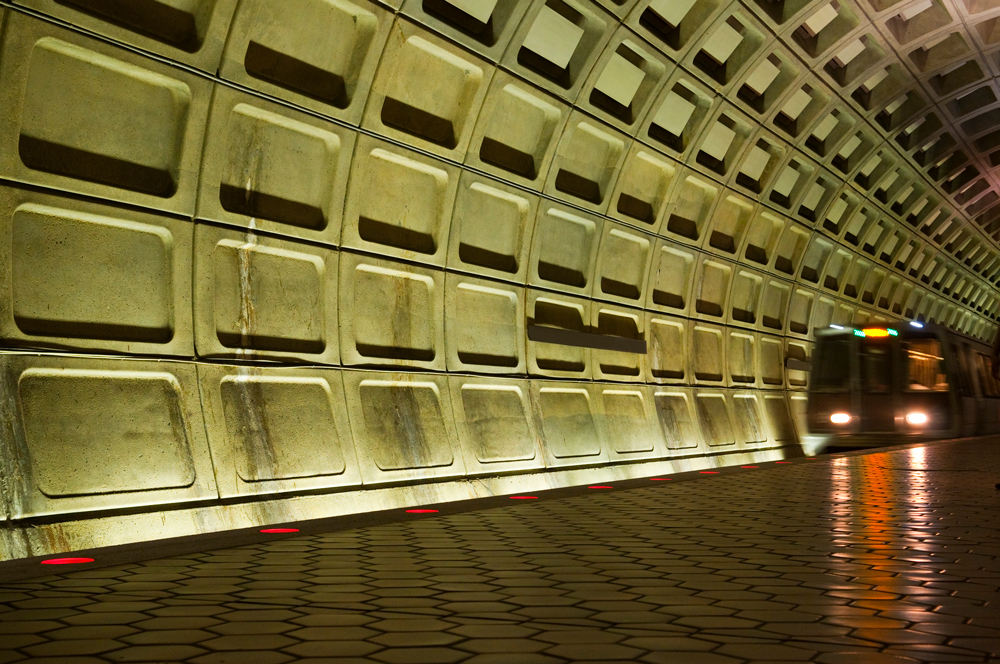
(916, 418)
(876, 332)
(840, 418)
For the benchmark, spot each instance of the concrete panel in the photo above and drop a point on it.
(790, 249)
(713, 281)
(815, 258)
(673, 27)
(844, 207)
(587, 163)
(143, 119)
(628, 416)
(671, 277)
(708, 353)
(261, 298)
(693, 200)
(564, 249)
(727, 47)
(517, 132)
(320, 54)
(758, 165)
(767, 80)
(624, 81)
(762, 237)
(491, 228)
(556, 45)
(621, 323)
(427, 93)
(277, 429)
(791, 183)
(779, 417)
(485, 26)
(643, 190)
(715, 415)
(802, 352)
(675, 411)
(102, 433)
(266, 165)
(399, 203)
(771, 360)
(495, 425)
(83, 276)
(391, 314)
(561, 312)
(623, 265)
(667, 358)
(744, 299)
(190, 32)
(751, 427)
(820, 193)
(721, 145)
(567, 419)
(774, 305)
(729, 225)
(403, 426)
(797, 404)
(742, 358)
(678, 116)
(800, 310)
(484, 326)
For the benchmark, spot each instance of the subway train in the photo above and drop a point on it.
(877, 386)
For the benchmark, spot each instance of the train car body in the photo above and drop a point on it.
(888, 385)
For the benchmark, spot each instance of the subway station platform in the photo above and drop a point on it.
(884, 557)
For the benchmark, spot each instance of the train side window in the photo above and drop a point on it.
(985, 377)
(925, 369)
(962, 370)
(876, 367)
(831, 366)
(988, 365)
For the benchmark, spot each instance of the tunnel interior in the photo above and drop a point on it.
(268, 260)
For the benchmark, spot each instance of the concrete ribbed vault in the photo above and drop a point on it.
(276, 259)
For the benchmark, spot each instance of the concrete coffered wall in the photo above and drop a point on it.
(266, 260)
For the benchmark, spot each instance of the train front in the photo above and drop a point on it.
(880, 385)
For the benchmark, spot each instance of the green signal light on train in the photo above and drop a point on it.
(876, 332)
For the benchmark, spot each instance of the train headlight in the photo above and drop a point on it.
(840, 418)
(916, 418)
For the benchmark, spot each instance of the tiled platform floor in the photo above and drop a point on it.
(886, 557)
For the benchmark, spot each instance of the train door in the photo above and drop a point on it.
(966, 395)
(986, 404)
(926, 399)
(991, 402)
(877, 407)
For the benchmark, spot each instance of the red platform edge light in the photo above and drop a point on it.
(661, 479)
(271, 531)
(709, 472)
(600, 486)
(421, 511)
(524, 497)
(782, 461)
(749, 466)
(67, 561)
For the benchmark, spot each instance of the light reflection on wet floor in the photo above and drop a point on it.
(887, 557)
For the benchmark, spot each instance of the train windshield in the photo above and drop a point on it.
(833, 365)
(876, 365)
(925, 365)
